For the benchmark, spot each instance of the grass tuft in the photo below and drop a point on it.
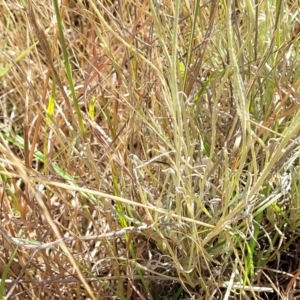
(149, 150)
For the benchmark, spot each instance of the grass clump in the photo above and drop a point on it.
(149, 150)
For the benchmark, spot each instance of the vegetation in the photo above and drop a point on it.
(150, 149)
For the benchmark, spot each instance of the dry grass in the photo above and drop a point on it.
(149, 150)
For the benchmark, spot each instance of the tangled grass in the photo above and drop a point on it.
(150, 149)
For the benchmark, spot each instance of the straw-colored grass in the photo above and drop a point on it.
(150, 149)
